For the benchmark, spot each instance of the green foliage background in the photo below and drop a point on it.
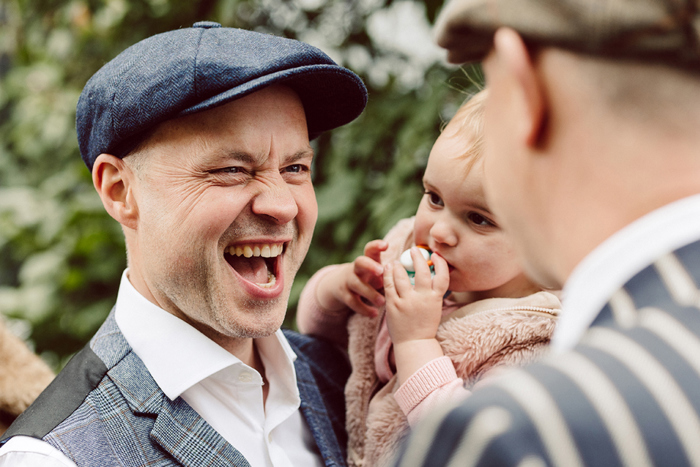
(61, 255)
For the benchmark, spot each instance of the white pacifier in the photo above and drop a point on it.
(407, 262)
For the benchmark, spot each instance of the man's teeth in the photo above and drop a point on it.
(271, 280)
(266, 250)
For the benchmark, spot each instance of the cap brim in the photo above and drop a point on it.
(331, 95)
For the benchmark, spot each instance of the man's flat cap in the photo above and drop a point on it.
(648, 30)
(193, 69)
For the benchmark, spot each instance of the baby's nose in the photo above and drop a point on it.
(442, 232)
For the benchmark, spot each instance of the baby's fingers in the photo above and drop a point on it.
(365, 291)
(389, 287)
(402, 283)
(420, 264)
(369, 271)
(396, 283)
(441, 281)
(374, 248)
(358, 305)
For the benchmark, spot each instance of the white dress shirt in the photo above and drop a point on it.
(226, 392)
(615, 261)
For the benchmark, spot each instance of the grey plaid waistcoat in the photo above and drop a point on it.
(628, 394)
(105, 409)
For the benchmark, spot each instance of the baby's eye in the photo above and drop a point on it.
(433, 198)
(477, 219)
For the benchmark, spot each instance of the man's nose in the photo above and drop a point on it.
(275, 201)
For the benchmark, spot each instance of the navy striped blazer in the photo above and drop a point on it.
(628, 394)
(105, 408)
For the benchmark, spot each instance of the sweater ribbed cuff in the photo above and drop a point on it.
(431, 376)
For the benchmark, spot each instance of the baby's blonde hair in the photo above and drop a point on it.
(469, 122)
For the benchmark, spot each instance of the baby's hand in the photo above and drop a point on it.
(356, 285)
(414, 312)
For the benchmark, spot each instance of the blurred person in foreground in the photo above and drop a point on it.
(198, 143)
(593, 166)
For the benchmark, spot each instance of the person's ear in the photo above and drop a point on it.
(527, 98)
(114, 181)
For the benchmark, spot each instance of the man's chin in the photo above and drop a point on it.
(257, 332)
(262, 322)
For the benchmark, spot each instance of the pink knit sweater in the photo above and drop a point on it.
(475, 338)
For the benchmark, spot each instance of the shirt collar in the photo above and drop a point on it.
(615, 261)
(176, 354)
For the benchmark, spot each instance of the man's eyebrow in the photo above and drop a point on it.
(301, 154)
(237, 156)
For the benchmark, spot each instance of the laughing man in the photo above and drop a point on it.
(198, 143)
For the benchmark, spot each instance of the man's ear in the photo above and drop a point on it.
(114, 182)
(528, 96)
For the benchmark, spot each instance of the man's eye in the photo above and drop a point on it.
(296, 168)
(231, 170)
(434, 199)
(477, 219)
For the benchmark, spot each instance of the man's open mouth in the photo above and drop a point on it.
(256, 263)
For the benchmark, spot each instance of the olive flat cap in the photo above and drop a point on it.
(665, 31)
(190, 70)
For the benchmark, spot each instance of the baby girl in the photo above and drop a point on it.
(413, 346)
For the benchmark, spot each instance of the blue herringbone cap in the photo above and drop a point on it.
(188, 70)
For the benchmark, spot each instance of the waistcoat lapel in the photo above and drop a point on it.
(178, 428)
(192, 441)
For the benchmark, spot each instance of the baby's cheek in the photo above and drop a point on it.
(481, 276)
(420, 236)
(458, 282)
(422, 225)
